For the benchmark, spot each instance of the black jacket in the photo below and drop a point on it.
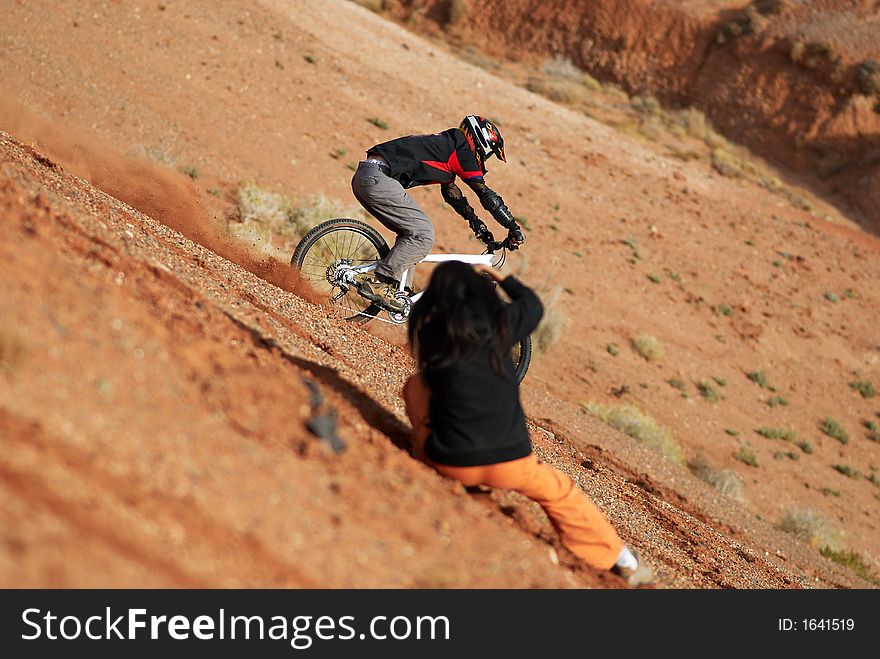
(475, 414)
(428, 159)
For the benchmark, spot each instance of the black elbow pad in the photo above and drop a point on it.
(493, 203)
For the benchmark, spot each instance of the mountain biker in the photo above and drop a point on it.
(467, 419)
(391, 168)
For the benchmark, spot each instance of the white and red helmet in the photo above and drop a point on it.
(483, 137)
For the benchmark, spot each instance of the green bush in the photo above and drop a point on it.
(759, 378)
(866, 389)
(832, 428)
(676, 383)
(849, 472)
(746, 456)
(776, 433)
(708, 392)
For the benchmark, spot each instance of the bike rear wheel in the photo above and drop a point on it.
(334, 243)
(522, 357)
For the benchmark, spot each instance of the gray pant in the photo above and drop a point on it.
(387, 201)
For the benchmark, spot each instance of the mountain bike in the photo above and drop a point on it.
(332, 253)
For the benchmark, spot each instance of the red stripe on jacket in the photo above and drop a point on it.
(453, 166)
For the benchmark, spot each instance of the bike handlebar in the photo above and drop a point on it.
(493, 245)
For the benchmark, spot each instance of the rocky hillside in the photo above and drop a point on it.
(153, 365)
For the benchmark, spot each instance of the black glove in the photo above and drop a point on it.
(515, 237)
(481, 231)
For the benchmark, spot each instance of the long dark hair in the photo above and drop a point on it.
(458, 315)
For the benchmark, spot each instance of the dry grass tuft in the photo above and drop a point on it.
(811, 527)
(283, 216)
(726, 481)
(264, 215)
(649, 347)
(633, 422)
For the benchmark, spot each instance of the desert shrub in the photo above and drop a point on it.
(646, 105)
(832, 428)
(733, 432)
(649, 347)
(746, 456)
(695, 124)
(849, 472)
(633, 422)
(378, 123)
(775, 401)
(726, 163)
(759, 378)
(708, 392)
(866, 389)
(810, 526)
(873, 430)
(852, 561)
(805, 446)
(284, 216)
(562, 81)
(552, 323)
(776, 433)
(798, 200)
(723, 310)
(12, 349)
(726, 481)
(559, 90)
(190, 171)
(677, 383)
(562, 67)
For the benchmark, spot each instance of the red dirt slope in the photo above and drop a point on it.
(176, 454)
(271, 91)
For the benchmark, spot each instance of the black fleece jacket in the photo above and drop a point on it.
(475, 414)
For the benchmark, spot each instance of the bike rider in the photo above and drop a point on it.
(380, 185)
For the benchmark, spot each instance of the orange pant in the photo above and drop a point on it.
(581, 525)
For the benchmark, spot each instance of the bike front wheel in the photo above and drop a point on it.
(335, 244)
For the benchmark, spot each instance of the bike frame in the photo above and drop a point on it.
(409, 275)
